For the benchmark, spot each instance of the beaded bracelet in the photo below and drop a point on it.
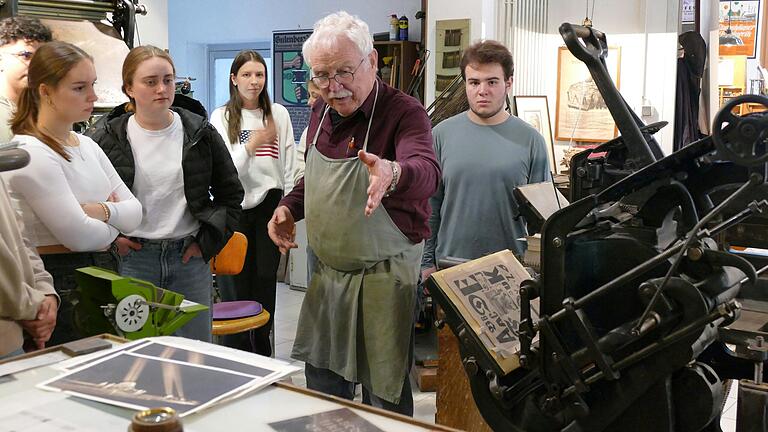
(106, 211)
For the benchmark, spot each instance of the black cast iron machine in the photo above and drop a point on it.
(634, 286)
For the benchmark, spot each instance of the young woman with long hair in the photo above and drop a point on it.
(72, 201)
(260, 138)
(176, 164)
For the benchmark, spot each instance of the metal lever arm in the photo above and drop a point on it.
(590, 46)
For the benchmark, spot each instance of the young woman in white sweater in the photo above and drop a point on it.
(260, 139)
(72, 201)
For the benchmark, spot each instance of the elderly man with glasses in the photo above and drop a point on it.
(19, 39)
(370, 170)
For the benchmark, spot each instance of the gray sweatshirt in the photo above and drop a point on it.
(473, 206)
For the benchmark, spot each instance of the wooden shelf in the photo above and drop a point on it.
(726, 93)
(404, 54)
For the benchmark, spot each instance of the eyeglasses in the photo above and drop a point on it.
(23, 55)
(324, 81)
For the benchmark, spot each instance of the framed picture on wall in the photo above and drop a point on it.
(738, 27)
(289, 76)
(581, 113)
(534, 110)
(452, 36)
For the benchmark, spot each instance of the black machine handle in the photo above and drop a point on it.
(449, 261)
(590, 46)
(13, 158)
(594, 47)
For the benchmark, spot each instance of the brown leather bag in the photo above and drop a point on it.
(230, 259)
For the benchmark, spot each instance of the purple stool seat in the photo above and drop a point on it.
(236, 309)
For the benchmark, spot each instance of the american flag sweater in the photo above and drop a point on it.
(271, 165)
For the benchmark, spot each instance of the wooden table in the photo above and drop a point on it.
(253, 412)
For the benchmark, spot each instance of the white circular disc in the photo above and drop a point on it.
(131, 313)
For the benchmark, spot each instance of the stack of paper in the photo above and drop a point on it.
(486, 292)
(183, 374)
(532, 257)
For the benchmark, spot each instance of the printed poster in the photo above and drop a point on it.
(738, 27)
(291, 73)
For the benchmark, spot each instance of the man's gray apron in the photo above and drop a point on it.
(357, 314)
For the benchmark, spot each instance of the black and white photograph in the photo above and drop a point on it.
(198, 358)
(340, 420)
(140, 382)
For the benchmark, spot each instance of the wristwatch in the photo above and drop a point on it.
(395, 177)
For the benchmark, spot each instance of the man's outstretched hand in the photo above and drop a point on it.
(379, 176)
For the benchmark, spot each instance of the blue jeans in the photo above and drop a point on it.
(62, 268)
(159, 262)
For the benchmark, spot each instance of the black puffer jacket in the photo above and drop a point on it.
(211, 186)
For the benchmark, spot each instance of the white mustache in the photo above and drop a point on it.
(339, 94)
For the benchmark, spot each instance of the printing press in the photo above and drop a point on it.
(626, 327)
(121, 13)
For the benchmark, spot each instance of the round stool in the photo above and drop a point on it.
(238, 316)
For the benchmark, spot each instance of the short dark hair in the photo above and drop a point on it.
(23, 28)
(485, 52)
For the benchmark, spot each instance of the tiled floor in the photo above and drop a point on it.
(286, 318)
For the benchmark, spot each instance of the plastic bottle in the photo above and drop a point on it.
(386, 70)
(403, 23)
(394, 27)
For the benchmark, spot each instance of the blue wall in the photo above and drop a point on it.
(193, 24)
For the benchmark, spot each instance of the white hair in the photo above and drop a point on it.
(330, 29)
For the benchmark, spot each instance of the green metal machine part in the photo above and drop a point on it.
(132, 308)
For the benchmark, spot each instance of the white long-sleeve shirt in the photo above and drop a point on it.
(271, 166)
(48, 193)
(301, 156)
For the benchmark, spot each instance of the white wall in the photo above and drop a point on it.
(192, 24)
(710, 31)
(153, 27)
(646, 31)
(482, 22)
